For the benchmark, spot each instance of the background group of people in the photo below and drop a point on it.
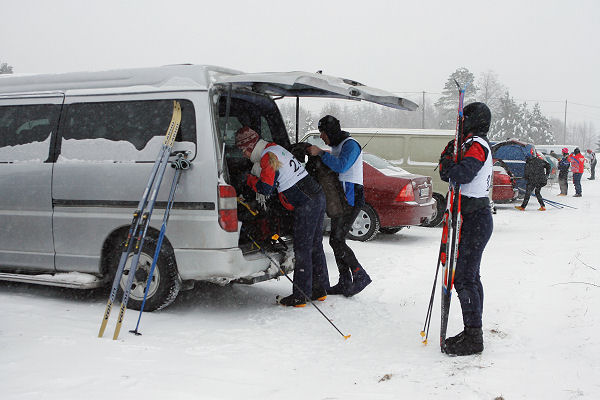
(538, 169)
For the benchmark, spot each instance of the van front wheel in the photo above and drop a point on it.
(165, 283)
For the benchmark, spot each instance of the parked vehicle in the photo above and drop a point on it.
(514, 152)
(394, 199)
(505, 185)
(76, 150)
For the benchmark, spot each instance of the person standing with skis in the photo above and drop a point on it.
(281, 171)
(563, 172)
(536, 175)
(345, 159)
(474, 174)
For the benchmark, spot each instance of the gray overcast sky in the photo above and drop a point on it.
(541, 50)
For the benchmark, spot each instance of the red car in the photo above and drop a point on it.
(505, 186)
(394, 199)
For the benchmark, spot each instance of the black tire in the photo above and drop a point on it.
(440, 207)
(165, 283)
(365, 226)
(390, 231)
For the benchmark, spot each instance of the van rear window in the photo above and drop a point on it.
(122, 131)
(25, 131)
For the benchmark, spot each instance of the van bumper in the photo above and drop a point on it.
(225, 265)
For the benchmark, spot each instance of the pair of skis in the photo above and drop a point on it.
(451, 224)
(140, 223)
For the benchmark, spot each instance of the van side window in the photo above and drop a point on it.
(25, 131)
(124, 130)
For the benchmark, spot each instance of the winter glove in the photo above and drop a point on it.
(251, 181)
(446, 165)
(448, 150)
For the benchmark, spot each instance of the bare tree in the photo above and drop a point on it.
(490, 90)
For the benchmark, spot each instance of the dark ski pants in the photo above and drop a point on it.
(593, 170)
(308, 246)
(577, 182)
(475, 232)
(563, 184)
(340, 226)
(530, 188)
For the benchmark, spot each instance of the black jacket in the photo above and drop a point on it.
(537, 171)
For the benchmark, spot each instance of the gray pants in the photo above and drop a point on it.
(564, 185)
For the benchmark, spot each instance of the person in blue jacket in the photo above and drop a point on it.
(563, 172)
(345, 159)
(474, 174)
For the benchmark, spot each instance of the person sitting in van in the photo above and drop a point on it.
(281, 171)
(345, 159)
(536, 175)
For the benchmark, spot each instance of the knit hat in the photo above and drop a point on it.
(246, 139)
(565, 150)
(576, 151)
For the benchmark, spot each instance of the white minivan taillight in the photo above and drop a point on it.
(228, 208)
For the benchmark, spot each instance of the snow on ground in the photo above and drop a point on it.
(541, 272)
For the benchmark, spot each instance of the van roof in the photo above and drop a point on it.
(163, 78)
(394, 131)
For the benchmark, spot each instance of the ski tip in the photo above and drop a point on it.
(346, 337)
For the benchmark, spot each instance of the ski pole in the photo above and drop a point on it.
(180, 164)
(296, 286)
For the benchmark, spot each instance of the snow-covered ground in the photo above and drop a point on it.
(541, 273)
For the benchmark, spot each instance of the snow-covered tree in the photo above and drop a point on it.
(539, 127)
(507, 122)
(5, 68)
(447, 104)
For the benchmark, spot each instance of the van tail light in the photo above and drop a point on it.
(228, 208)
(406, 194)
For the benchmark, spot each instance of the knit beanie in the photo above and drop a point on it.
(246, 139)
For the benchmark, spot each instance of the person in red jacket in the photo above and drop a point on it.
(577, 160)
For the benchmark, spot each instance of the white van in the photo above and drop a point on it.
(76, 151)
(414, 150)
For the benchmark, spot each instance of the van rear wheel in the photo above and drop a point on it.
(165, 283)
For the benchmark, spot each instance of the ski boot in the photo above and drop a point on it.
(318, 293)
(542, 208)
(344, 284)
(291, 301)
(360, 280)
(520, 208)
(469, 341)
